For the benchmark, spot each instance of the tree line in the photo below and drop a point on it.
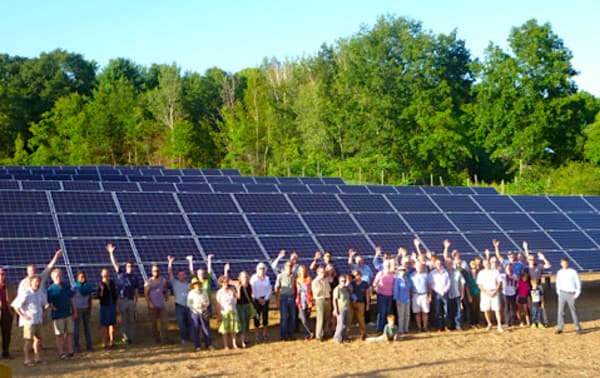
(392, 98)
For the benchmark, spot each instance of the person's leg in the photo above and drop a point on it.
(283, 317)
(265, 316)
(573, 310)
(85, 320)
(111, 334)
(320, 306)
(293, 317)
(27, 345)
(458, 314)
(195, 329)
(6, 321)
(360, 318)
(303, 316)
(452, 311)
(128, 320)
(338, 335)
(205, 330)
(78, 322)
(60, 344)
(153, 313)
(444, 300)
(37, 347)
(181, 323)
(164, 325)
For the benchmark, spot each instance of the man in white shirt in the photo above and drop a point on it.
(489, 284)
(180, 292)
(568, 288)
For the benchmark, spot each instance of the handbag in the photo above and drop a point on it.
(252, 308)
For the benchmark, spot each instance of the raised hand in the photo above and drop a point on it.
(281, 253)
(110, 248)
(170, 259)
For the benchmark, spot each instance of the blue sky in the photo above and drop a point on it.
(235, 34)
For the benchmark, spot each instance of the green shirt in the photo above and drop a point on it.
(390, 332)
(342, 296)
(285, 284)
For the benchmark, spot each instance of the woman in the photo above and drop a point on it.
(244, 304)
(261, 293)
(198, 303)
(384, 287)
(228, 316)
(331, 275)
(108, 295)
(304, 299)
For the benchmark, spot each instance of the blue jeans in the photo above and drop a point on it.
(287, 313)
(200, 327)
(440, 310)
(455, 312)
(384, 308)
(182, 313)
(536, 313)
(83, 317)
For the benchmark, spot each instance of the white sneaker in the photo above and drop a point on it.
(500, 329)
(489, 327)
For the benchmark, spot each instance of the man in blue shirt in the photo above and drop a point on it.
(60, 299)
(402, 289)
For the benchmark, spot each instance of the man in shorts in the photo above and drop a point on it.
(60, 300)
(30, 304)
(490, 284)
(420, 296)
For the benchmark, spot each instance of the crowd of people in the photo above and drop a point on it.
(440, 291)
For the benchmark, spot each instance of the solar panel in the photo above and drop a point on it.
(157, 225)
(277, 224)
(587, 221)
(57, 177)
(587, 259)
(218, 179)
(93, 251)
(290, 180)
(120, 186)
(381, 222)
(353, 189)
(242, 180)
(483, 241)
(594, 201)
(171, 172)
(409, 190)
(91, 225)
(514, 221)
(191, 172)
(265, 180)
(157, 250)
(383, 189)
(86, 177)
(323, 188)
(572, 240)
(484, 190)
(230, 172)
(81, 185)
(330, 223)
(157, 187)
(537, 240)
(228, 188)
(495, 203)
(233, 248)
(595, 235)
(28, 251)
(435, 189)
(460, 190)
(293, 188)
(172, 179)
(304, 245)
(333, 180)
(83, 202)
(391, 242)
(535, 204)
(339, 245)
(113, 177)
(571, 204)
(207, 203)
(261, 188)
(412, 203)
(365, 202)
(40, 185)
(306, 203)
(141, 178)
(23, 202)
(263, 203)
(311, 180)
(219, 224)
(435, 242)
(147, 203)
(553, 221)
(429, 222)
(199, 188)
(472, 222)
(450, 203)
(193, 179)
(211, 172)
(26, 226)
(9, 185)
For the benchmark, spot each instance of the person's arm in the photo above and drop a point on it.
(147, 295)
(496, 244)
(378, 259)
(111, 253)
(526, 248)
(335, 302)
(170, 260)
(54, 259)
(417, 244)
(315, 262)
(446, 248)
(487, 254)
(276, 261)
(368, 299)
(209, 269)
(547, 264)
(462, 289)
(190, 260)
(351, 253)
(577, 283)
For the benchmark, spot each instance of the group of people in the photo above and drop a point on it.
(455, 292)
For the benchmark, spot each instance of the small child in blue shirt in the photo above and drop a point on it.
(536, 297)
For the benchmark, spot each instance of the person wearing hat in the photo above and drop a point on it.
(198, 302)
(402, 289)
(261, 293)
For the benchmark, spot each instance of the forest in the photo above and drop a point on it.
(392, 103)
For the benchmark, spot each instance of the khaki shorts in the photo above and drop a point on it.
(32, 330)
(488, 303)
(64, 325)
(420, 303)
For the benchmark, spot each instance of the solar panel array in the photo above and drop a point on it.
(249, 219)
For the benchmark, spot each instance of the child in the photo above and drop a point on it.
(536, 296)
(522, 298)
(226, 302)
(390, 331)
(83, 301)
(341, 309)
(30, 304)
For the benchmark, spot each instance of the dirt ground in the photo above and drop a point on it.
(475, 352)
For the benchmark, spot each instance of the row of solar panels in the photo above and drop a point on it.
(22, 171)
(293, 185)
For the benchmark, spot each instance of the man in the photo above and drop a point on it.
(568, 288)
(517, 265)
(366, 274)
(30, 304)
(439, 283)
(180, 292)
(60, 299)
(420, 294)
(157, 294)
(32, 271)
(128, 285)
(327, 259)
(322, 293)
(536, 271)
(361, 301)
(285, 295)
(456, 293)
(7, 295)
(489, 284)
(293, 259)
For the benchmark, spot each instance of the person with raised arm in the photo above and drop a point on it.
(32, 271)
(180, 288)
(327, 259)
(157, 294)
(293, 259)
(205, 276)
(568, 289)
(261, 294)
(7, 294)
(128, 284)
(517, 266)
(536, 271)
(60, 299)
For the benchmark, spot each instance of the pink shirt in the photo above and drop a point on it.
(384, 283)
(522, 289)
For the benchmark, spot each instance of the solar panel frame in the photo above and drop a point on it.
(571, 204)
(496, 203)
(91, 225)
(330, 223)
(277, 224)
(412, 203)
(349, 189)
(455, 203)
(81, 186)
(533, 204)
(83, 202)
(207, 203)
(40, 185)
(553, 221)
(569, 240)
(147, 203)
(284, 188)
(319, 188)
(31, 202)
(306, 203)
(219, 224)
(157, 225)
(263, 203)
(27, 226)
(120, 187)
(365, 202)
(586, 221)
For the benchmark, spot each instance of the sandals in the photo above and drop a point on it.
(29, 363)
(64, 357)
